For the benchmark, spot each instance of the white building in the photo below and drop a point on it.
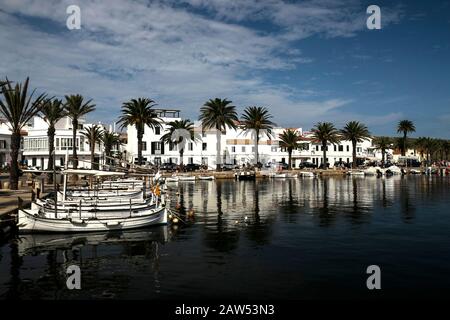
(35, 144)
(5, 144)
(237, 146)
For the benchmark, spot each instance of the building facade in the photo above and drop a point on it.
(237, 147)
(5, 144)
(35, 144)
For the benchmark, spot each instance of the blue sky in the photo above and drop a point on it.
(307, 61)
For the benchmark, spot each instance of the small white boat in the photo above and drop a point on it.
(307, 174)
(206, 178)
(394, 170)
(186, 178)
(356, 173)
(283, 175)
(39, 220)
(172, 179)
(373, 171)
(415, 171)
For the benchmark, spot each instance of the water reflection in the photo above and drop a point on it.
(279, 228)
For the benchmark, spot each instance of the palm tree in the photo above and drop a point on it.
(94, 136)
(257, 119)
(52, 111)
(325, 132)
(18, 109)
(139, 113)
(109, 140)
(219, 114)
(382, 144)
(421, 146)
(289, 139)
(179, 132)
(76, 108)
(355, 132)
(405, 126)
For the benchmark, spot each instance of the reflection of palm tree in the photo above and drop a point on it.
(407, 208)
(16, 264)
(326, 219)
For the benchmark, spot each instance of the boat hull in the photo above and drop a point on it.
(30, 221)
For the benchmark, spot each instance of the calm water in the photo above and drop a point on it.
(302, 239)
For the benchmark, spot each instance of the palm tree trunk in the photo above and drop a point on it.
(256, 147)
(74, 143)
(51, 148)
(181, 157)
(289, 158)
(140, 134)
(218, 137)
(14, 170)
(354, 154)
(383, 157)
(404, 144)
(324, 161)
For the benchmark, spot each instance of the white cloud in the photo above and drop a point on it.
(178, 57)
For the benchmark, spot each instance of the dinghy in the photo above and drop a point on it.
(206, 178)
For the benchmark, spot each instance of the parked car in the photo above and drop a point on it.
(304, 165)
(168, 166)
(191, 167)
(229, 166)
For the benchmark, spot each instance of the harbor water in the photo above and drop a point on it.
(271, 239)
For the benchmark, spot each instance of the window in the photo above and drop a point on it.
(204, 161)
(33, 162)
(190, 160)
(335, 147)
(273, 149)
(317, 148)
(233, 149)
(341, 147)
(321, 148)
(203, 134)
(157, 131)
(157, 160)
(157, 146)
(190, 146)
(348, 160)
(358, 149)
(61, 162)
(204, 146)
(348, 148)
(243, 149)
(144, 145)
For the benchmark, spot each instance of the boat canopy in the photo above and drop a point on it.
(93, 172)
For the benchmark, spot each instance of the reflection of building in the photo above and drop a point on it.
(237, 146)
(35, 144)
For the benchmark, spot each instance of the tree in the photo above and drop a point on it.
(109, 140)
(139, 113)
(220, 115)
(94, 136)
(289, 140)
(52, 111)
(382, 144)
(18, 109)
(325, 133)
(179, 132)
(405, 127)
(76, 107)
(257, 120)
(355, 132)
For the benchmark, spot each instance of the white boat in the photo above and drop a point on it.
(172, 179)
(373, 171)
(206, 178)
(39, 220)
(415, 171)
(283, 175)
(186, 178)
(307, 174)
(394, 170)
(356, 173)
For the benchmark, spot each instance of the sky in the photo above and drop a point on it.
(306, 61)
